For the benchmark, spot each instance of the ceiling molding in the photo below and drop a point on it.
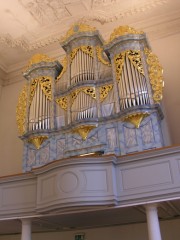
(103, 17)
(100, 15)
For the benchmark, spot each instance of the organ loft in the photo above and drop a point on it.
(103, 98)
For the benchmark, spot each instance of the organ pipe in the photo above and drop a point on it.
(83, 107)
(40, 111)
(81, 67)
(132, 86)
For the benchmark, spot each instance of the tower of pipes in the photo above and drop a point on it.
(104, 98)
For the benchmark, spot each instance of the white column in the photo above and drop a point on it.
(153, 222)
(26, 229)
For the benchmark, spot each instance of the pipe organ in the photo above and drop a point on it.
(103, 98)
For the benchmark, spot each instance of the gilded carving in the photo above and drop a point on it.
(87, 90)
(73, 53)
(135, 58)
(33, 86)
(123, 30)
(155, 74)
(64, 64)
(104, 90)
(45, 83)
(62, 101)
(86, 49)
(100, 57)
(136, 118)
(84, 130)
(37, 140)
(21, 110)
(37, 58)
(74, 95)
(119, 62)
(76, 28)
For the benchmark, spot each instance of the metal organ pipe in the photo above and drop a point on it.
(83, 107)
(132, 86)
(39, 109)
(39, 114)
(85, 68)
(82, 67)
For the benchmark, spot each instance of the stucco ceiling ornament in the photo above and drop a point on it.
(55, 9)
(103, 17)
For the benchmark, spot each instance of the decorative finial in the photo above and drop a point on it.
(76, 28)
(123, 30)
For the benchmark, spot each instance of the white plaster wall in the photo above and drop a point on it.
(169, 229)
(168, 51)
(0, 89)
(10, 145)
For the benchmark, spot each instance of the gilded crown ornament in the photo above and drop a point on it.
(37, 58)
(123, 30)
(76, 28)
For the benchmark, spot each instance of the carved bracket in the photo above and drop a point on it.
(84, 130)
(136, 118)
(37, 140)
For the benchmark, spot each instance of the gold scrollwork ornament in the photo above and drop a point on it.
(104, 90)
(135, 58)
(62, 101)
(100, 57)
(86, 49)
(155, 75)
(21, 110)
(119, 63)
(87, 90)
(45, 83)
